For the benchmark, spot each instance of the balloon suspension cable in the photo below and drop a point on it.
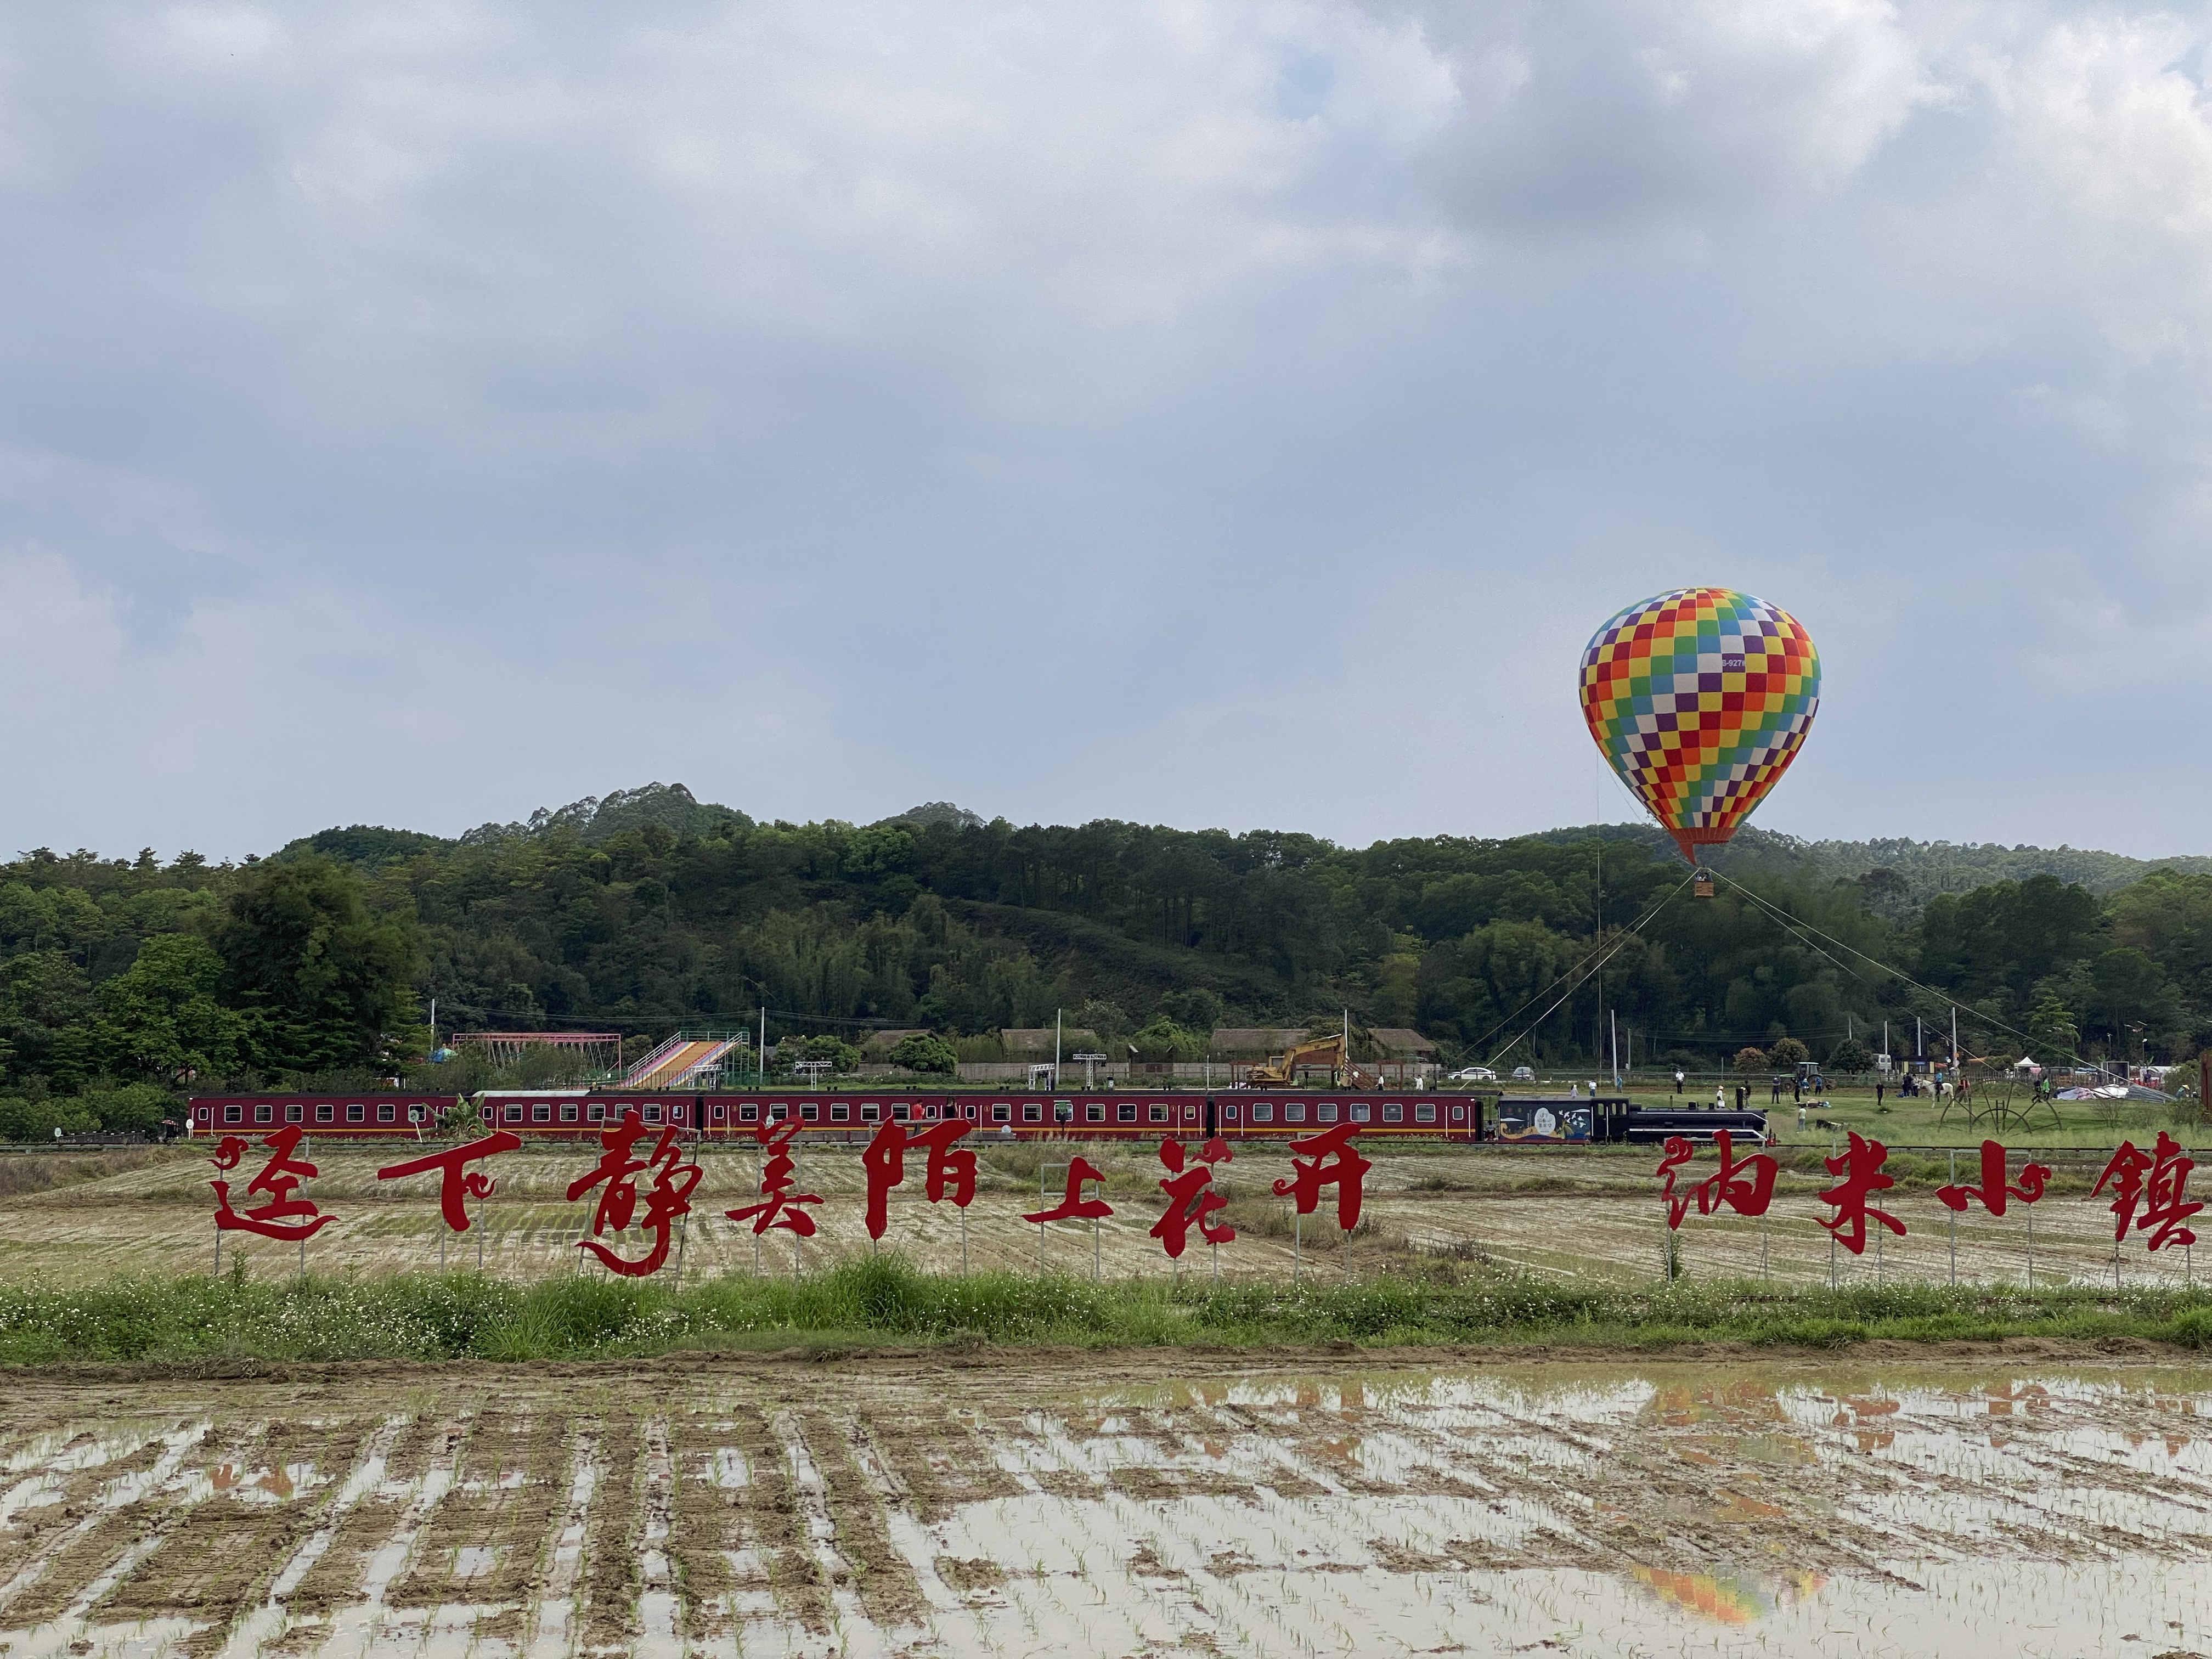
(1793, 925)
(1580, 973)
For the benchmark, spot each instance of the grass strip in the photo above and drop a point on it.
(886, 1301)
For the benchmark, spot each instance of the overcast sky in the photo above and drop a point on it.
(1203, 412)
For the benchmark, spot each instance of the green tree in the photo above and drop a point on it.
(1161, 1039)
(324, 984)
(1851, 1055)
(925, 1051)
(1789, 1053)
(160, 1017)
(1749, 1061)
(841, 1055)
(2053, 1037)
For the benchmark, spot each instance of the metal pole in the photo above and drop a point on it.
(1954, 1223)
(1298, 1243)
(1877, 1255)
(1094, 1249)
(218, 1249)
(964, 1242)
(1831, 1261)
(683, 1232)
(1764, 1276)
(2030, 1247)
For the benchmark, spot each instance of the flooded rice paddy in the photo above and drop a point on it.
(1031, 1506)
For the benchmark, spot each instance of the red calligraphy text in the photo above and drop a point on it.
(279, 1215)
(456, 1183)
(780, 1207)
(2155, 1184)
(1993, 1193)
(1332, 1162)
(670, 1196)
(1191, 1198)
(1072, 1206)
(951, 1170)
(1860, 1165)
(1744, 1185)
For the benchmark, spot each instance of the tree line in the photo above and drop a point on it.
(123, 981)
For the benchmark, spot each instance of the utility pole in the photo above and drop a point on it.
(1616, 1050)
(1055, 1047)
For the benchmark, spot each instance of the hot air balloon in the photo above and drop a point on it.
(1700, 699)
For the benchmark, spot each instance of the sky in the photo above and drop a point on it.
(1207, 412)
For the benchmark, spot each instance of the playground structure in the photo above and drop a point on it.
(599, 1050)
(692, 1059)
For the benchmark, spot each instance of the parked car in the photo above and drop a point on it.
(1475, 1074)
(1523, 1074)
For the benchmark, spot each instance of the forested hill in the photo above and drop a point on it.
(647, 909)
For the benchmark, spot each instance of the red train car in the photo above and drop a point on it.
(855, 1114)
(389, 1116)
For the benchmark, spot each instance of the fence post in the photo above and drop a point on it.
(1954, 1223)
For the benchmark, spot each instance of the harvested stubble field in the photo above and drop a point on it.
(1572, 1215)
(1030, 1504)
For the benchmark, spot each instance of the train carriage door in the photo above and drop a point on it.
(1211, 1125)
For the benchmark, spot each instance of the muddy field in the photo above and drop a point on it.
(1568, 1215)
(1032, 1505)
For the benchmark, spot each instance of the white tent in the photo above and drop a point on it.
(2025, 1063)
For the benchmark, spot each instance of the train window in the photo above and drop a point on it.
(652, 1111)
(809, 1113)
(541, 1113)
(358, 1113)
(1228, 1112)
(1326, 1112)
(234, 1115)
(900, 1110)
(1032, 1113)
(1424, 1112)
(568, 1113)
(294, 1112)
(206, 1115)
(264, 1113)
(1001, 1112)
(1263, 1113)
(870, 1111)
(1063, 1111)
(1359, 1111)
(1393, 1112)
(1190, 1113)
(487, 1112)
(595, 1113)
(720, 1112)
(840, 1112)
(777, 1111)
(972, 1112)
(749, 1113)
(679, 1113)
(325, 1112)
(1294, 1111)
(1125, 1112)
(1459, 1114)
(387, 1113)
(929, 1110)
(1094, 1113)
(1159, 1114)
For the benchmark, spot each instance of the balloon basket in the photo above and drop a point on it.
(1701, 884)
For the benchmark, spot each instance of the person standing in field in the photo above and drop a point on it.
(1877, 1094)
(1677, 1079)
(1720, 1097)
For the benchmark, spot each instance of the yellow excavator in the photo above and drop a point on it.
(1282, 1071)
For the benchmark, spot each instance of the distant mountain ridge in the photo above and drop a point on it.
(1925, 867)
(1921, 869)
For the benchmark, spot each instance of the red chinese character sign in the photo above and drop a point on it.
(2150, 1193)
(1072, 1206)
(279, 1215)
(1744, 1185)
(674, 1177)
(950, 1173)
(1192, 1200)
(1860, 1165)
(1329, 1161)
(779, 1207)
(1994, 1194)
(457, 1183)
